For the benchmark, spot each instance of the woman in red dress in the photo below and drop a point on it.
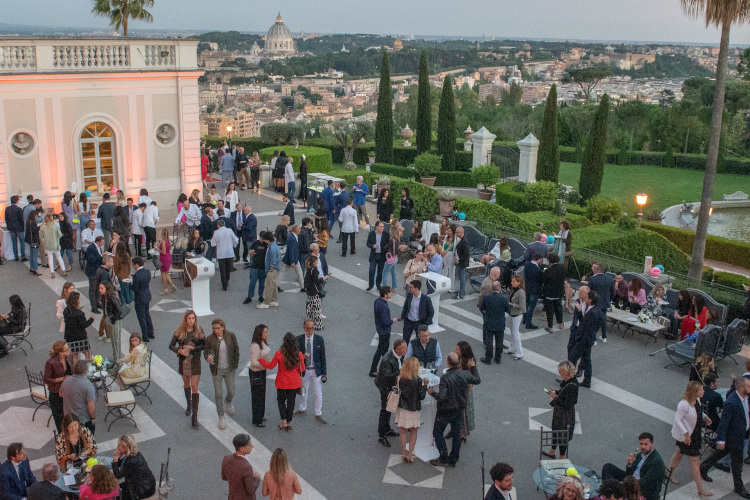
(696, 318)
(291, 364)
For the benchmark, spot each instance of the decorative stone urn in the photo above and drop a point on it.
(407, 134)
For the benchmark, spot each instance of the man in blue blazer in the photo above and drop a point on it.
(592, 318)
(15, 474)
(142, 293)
(417, 310)
(93, 262)
(288, 209)
(314, 349)
(494, 307)
(329, 200)
(378, 241)
(731, 436)
(532, 274)
(291, 257)
(604, 286)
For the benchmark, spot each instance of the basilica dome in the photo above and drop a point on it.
(279, 39)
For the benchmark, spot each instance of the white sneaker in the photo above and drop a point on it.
(263, 306)
(274, 304)
(102, 337)
(323, 316)
(595, 343)
(222, 423)
(603, 339)
(229, 409)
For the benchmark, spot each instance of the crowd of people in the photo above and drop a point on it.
(117, 236)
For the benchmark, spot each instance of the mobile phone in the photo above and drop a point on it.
(546, 390)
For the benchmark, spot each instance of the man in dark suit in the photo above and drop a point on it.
(142, 293)
(206, 230)
(93, 263)
(647, 467)
(383, 324)
(494, 307)
(291, 258)
(575, 326)
(377, 241)
(15, 474)
(329, 200)
(106, 213)
(604, 286)
(288, 208)
(248, 232)
(502, 482)
(731, 436)
(305, 240)
(417, 310)
(712, 400)
(313, 347)
(238, 218)
(16, 226)
(592, 317)
(532, 273)
(390, 367)
(46, 488)
(461, 258)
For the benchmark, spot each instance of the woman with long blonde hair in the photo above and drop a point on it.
(688, 421)
(280, 482)
(165, 256)
(412, 391)
(50, 235)
(187, 342)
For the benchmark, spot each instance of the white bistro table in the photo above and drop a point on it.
(425, 448)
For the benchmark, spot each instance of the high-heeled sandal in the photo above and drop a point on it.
(405, 459)
(550, 455)
(288, 428)
(704, 493)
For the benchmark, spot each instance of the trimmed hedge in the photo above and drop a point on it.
(632, 245)
(717, 248)
(318, 159)
(551, 222)
(731, 280)
(455, 179)
(393, 170)
(480, 210)
(507, 197)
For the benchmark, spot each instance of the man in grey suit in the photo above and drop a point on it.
(604, 286)
(46, 488)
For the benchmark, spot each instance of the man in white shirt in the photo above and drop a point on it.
(137, 228)
(224, 240)
(314, 349)
(289, 179)
(192, 213)
(349, 227)
(150, 218)
(89, 234)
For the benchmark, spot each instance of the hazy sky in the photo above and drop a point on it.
(653, 20)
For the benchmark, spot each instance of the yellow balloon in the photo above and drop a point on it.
(92, 462)
(571, 471)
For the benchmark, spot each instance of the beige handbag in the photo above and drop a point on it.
(393, 397)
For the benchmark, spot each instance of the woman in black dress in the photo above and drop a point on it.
(385, 206)
(313, 285)
(688, 422)
(407, 205)
(67, 240)
(75, 326)
(188, 341)
(564, 406)
(303, 179)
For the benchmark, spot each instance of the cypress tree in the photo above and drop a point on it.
(592, 166)
(548, 167)
(384, 120)
(446, 139)
(424, 107)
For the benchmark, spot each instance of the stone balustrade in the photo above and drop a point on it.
(56, 55)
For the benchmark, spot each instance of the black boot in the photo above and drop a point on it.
(189, 402)
(196, 397)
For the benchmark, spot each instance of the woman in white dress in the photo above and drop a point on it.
(231, 198)
(135, 364)
(62, 303)
(446, 251)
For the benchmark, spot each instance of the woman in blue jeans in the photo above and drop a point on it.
(67, 243)
(32, 239)
(392, 251)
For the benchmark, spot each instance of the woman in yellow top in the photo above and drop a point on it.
(50, 235)
(74, 442)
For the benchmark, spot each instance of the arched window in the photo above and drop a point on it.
(97, 157)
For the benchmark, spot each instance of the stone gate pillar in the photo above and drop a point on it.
(528, 146)
(482, 147)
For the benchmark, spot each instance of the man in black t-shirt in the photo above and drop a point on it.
(257, 268)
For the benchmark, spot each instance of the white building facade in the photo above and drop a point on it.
(98, 114)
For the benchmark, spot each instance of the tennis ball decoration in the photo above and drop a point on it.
(93, 461)
(571, 471)
(98, 359)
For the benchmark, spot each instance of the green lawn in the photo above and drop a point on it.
(665, 186)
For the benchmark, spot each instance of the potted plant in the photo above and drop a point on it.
(383, 182)
(350, 165)
(485, 176)
(428, 165)
(655, 216)
(447, 198)
(371, 155)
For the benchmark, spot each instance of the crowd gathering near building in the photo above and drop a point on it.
(115, 241)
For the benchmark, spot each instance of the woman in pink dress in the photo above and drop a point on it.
(165, 256)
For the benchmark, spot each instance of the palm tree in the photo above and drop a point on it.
(719, 13)
(120, 11)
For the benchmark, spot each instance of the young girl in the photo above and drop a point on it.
(165, 256)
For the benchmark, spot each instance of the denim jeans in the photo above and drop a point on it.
(376, 278)
(257, 276)
(461, 277)
(17, 239)
(69, 254)
(226, 375)
(389, 269)
(290, 189)
(531, 301)
(34, 258)
(455, 419)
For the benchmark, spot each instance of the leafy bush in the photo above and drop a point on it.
(572, 197)
(551, 222)
(464, 160)
(603, 210)
(486, 175)
(730, 279)
(717, 248)
(508, 196)
(627, 224)
(281, 133)
(622, 155)
(668, 160)
(350, 165)
(318, 159)
(480, 210)
(540, 195)
(428, 164)
(654, 215)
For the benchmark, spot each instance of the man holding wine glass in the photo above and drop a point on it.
(425, 349)
(223, 355)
